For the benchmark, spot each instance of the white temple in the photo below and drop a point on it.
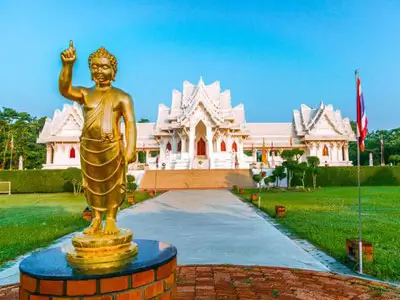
(201, 129)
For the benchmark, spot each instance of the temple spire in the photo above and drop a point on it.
(201, 82)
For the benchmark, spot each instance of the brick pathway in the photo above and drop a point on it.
(262, 283)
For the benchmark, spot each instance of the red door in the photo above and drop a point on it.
(201, 147)
(234, 147)
(223, 146)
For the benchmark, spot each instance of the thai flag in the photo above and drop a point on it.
(362, 120)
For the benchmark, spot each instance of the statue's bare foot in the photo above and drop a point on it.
(110, 227)
(94, 227)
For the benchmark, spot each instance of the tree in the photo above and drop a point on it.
(272, 178)
(301, 169)
(291, 162)
(144, 121)
(279, 174)
(394, 159)
(297, 154)
(313, 163)
(391, 141)
(74, 176)
(257, 178)
(23, 129)
(131, 186)
(268, 180)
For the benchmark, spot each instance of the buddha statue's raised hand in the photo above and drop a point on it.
(68, 56)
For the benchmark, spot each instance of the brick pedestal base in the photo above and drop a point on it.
(148, 277)
(158, 283)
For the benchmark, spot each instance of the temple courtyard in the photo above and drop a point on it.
(215, 227)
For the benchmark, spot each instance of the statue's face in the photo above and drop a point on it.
(102, 71)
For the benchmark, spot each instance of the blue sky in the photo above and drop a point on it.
(272, 55)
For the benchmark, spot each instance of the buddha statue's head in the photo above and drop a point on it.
(103, 66)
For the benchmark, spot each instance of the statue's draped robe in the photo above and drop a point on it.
(102, 158)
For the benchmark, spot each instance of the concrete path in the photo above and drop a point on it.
(207, 227)
(215, 227)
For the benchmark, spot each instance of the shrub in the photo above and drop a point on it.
(130, 178)
(347, 176)
(37, 181)
(257, 178)
(74, 177)
(131, 187)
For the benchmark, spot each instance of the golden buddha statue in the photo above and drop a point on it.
(104, 158)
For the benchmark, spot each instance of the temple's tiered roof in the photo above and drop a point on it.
(216, 104)
(213, 106)
(321, 123)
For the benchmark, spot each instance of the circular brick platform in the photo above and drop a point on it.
(238, 282)
(46, 275)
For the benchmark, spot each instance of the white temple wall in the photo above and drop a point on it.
(63, 156)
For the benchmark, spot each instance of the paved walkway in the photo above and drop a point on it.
(207, 227)
(215, 227)
(251, 283)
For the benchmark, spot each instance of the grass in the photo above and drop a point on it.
(326, 217)
(30, 221)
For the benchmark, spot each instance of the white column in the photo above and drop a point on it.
(191, 145)
(240, 149)
(48, 154)
(210, 146)
(183, 144)
(334, 152)
(340, 151)
(218, 141)
(229, 143)
(147, 156)
(174, 144)
(255, 155)
(163, 144)
(346, 152)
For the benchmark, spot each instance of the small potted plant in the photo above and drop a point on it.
(87, 213)
(254, 197)
(280, 211)
(131, 187)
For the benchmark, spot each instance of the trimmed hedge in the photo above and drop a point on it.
(38, 181)
(347, 176)
(54, 181)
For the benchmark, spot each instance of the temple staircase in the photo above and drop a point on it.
(195, 179)
(180, 161)
(223, 160)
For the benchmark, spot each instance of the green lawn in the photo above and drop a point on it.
(30, 221)
(326, 217)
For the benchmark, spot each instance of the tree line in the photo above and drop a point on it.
(19, 132)
(383, 144)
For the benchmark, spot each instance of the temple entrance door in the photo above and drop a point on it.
(201, 147)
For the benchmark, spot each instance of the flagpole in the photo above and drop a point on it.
(360, 254)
